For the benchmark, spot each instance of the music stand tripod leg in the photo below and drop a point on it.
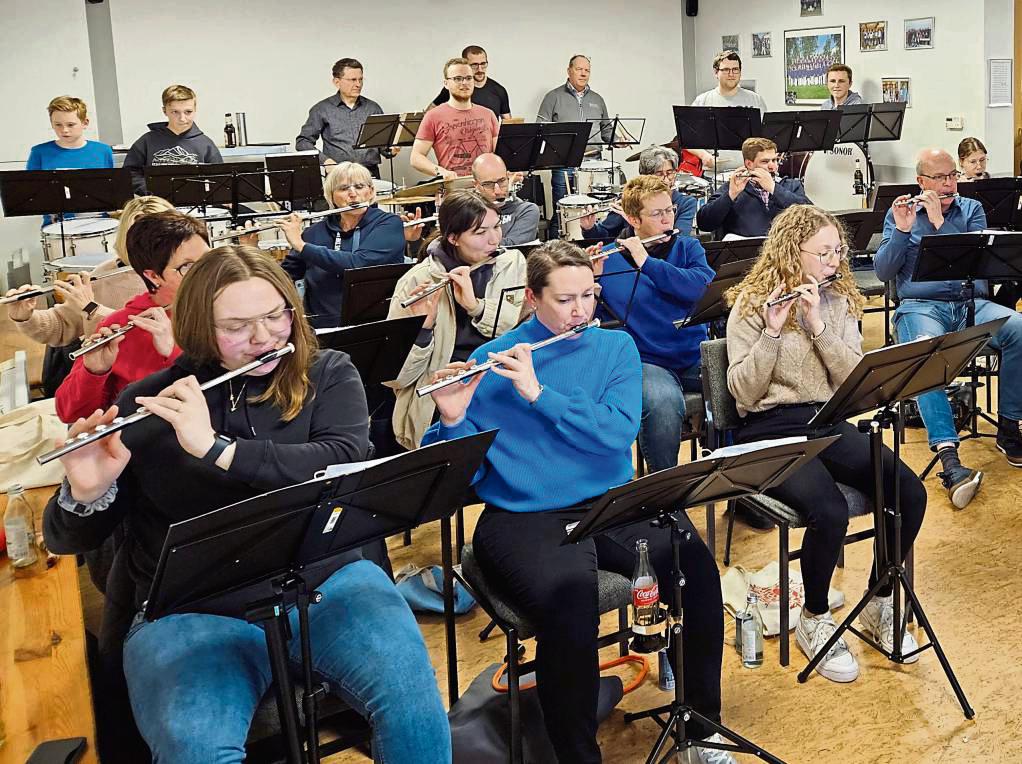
(678, 711)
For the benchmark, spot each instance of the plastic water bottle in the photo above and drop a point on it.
(19, 528)
(752, 634)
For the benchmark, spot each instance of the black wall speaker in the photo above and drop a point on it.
(692, 7)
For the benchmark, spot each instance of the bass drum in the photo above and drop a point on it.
(830, 178)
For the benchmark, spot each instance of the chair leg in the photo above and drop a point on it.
(459, 534)
(841, 556)
(408, 538)
(622, 624)
(513, 697)
(731, 506)
(711, 530)
(910, 573)
(782, 556)
(485, 633)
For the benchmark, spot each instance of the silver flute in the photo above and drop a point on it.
(596, 209)
(647, 240)
(119, 423)
(919, 200)
(101, 341)
(795, 295)
(445, 280)
(487, 365)
(50, 287)
(310, 216)
(422, 221)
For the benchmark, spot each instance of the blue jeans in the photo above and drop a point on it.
(932, 318)
(195, 680)
(559, 190)
(663, 412)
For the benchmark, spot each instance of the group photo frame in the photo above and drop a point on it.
(808, 53)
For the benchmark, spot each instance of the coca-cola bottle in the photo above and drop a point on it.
(645, 602)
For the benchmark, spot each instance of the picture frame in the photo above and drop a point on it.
(808, 53)
(896, 90)
(810, 8)
(872, 36)
(729, 42)
(761, 45)
(919, 33)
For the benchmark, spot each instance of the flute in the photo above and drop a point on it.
(310, 216)
(422, 221)
(101, 341)
(597, 209)
(795, 295)
(480, 368)
(445, 280)
(51, 287)
(648, 240)
(919, 200)
(119, 423)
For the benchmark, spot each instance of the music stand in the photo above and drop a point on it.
(505, 294)
(63, 192)
(205, 185)
(802, 130)
(385, 131)
(860, 225)
(366, 292)
(711, 306)
(880, 380)
(720, 252)
(656, 498)
(273, 550)
(377, 349)
(716, 127)
(868, 122)
(616, 132)
(616, 320)
(535, 146)
(295, 177)
(1000, 200)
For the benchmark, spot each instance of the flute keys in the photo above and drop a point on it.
(82, 436)
(100, 427)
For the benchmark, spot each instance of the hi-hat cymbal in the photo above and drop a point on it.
(394, 201)
(635, 157)
(433, 186)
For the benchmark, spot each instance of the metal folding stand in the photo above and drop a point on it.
(862, 124)
(716, 128)
(724, 475)
(969, 257)
(711, 309)
(880, 380)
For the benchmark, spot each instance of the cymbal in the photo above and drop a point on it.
(433, 186)
(394, 201)
(635, 157)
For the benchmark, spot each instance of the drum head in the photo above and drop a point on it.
(598, 165)
(80, 227)
(383, 186)
(577, 200)
(210, 212)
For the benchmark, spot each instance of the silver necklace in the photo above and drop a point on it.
(235, 402)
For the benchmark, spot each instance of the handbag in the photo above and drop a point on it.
(25, 433)
(423, 590)
(736, 583)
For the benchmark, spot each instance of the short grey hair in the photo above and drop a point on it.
(342, 174)
(651, 159)
(926, 157)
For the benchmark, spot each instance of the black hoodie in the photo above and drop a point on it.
(162, 146)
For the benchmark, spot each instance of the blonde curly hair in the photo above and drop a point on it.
(780, 263)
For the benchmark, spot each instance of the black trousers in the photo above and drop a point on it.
(813, 492)
(555, 588)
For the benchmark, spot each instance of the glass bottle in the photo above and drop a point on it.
(19, 528)
(752, 634)
(230, 134)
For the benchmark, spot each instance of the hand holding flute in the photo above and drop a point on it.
(906, 208)
(778, 306)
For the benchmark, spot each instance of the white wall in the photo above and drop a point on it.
(946, 80)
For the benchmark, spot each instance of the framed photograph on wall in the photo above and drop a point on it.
(810, 7)
(872, 36)
(761, 45)
(897, 90)
(729, 42)
(808, 53)
(918, 33)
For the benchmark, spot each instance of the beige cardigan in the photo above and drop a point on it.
(62, 324)
(413, 414)
(764, 372)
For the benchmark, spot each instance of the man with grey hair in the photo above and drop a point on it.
(662, 162)
(932, 308)
(574, 101)
(519, 219)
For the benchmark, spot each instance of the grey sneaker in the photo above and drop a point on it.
(711, 755)
(961, 484)
(812, 633)
(877, 621)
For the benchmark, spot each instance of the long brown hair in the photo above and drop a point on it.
(780, 263)
(196, 335)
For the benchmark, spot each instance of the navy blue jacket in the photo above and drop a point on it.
(611, 226)
(378, 239)
(747, 215)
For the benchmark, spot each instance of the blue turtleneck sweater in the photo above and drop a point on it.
(575, 441)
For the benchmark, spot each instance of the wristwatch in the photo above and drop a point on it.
(90, 308)
(220, 443)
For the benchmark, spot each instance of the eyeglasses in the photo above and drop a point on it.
(664, 213)
(489, 185)
(730, 70)
(183, 268)
(240, 329)
(480, 65)
(356, 186)
(359, 80)
(942, 177)
(976, 161)
(841, 252)
(666, 174)
(460, 80)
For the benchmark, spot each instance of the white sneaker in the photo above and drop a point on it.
(877, 621)
(712, 755)
(812, 633)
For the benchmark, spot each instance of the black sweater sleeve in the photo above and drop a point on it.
(68, 533)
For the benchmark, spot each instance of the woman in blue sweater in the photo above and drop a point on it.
(672, 277)
(355, 239)
(567, 419)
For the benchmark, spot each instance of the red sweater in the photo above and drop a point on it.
(82, 392)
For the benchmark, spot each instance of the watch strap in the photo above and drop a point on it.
(220, 443)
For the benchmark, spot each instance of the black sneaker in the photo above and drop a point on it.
(1009, 440)
(961, 484)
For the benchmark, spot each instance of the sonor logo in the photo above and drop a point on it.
(845, 151)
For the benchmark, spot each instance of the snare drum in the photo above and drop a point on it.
(82, 236)
(570, 207)
(278, 248)
(691, 185)
(599, 176)
(215, 228)
(383, 188)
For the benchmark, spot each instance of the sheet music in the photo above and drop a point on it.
(758, 445)
(338, 470)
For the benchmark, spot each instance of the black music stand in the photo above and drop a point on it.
(377, 349)
(366, 292)
(711, 307)
(542, 145)
(656, 498)
(205, 185)
(1000, 200)
(616, 132)
(295, 178)
(868, 122)
(802, 130)
(273, 550)
(732, 250)
(506, 295)
(969, 257)
(885, 194)
(860, 226)
(716, 128)
(612, 317)
(880, 380)
(63, 192)
(386, 131)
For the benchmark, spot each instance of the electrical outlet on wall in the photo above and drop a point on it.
(954, 123)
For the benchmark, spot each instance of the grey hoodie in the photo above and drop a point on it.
(161, 146)
(519, 222)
